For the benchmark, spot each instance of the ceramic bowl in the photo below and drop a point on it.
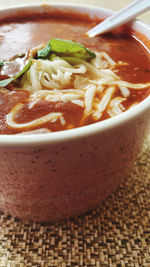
(50, 177)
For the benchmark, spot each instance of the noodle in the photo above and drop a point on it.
(11, 116)
(90, 85)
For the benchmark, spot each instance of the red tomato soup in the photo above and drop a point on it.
(54, 77)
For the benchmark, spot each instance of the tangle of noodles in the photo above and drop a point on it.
(91, 85)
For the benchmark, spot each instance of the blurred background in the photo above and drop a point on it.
(112, 4)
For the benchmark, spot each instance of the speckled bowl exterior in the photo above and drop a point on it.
(55, 176)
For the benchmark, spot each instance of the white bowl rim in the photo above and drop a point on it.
(12, 140)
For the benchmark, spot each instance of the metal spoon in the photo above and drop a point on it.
(123, 16)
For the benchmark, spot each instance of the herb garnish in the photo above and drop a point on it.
(65, 48)
(5, 82)
(57, 47)
(45, 52)
(2, 64)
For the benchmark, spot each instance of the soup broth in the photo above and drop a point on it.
(77, 92)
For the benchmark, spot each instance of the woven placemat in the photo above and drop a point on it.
(116, 234)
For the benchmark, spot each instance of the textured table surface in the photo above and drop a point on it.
(117, 234)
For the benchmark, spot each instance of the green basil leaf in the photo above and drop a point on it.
(5, 82)
(2, 64)
(69, 48)
(45, 52)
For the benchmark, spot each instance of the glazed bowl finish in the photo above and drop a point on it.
(49, 177)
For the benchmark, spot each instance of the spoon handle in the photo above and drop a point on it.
(124, 15)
